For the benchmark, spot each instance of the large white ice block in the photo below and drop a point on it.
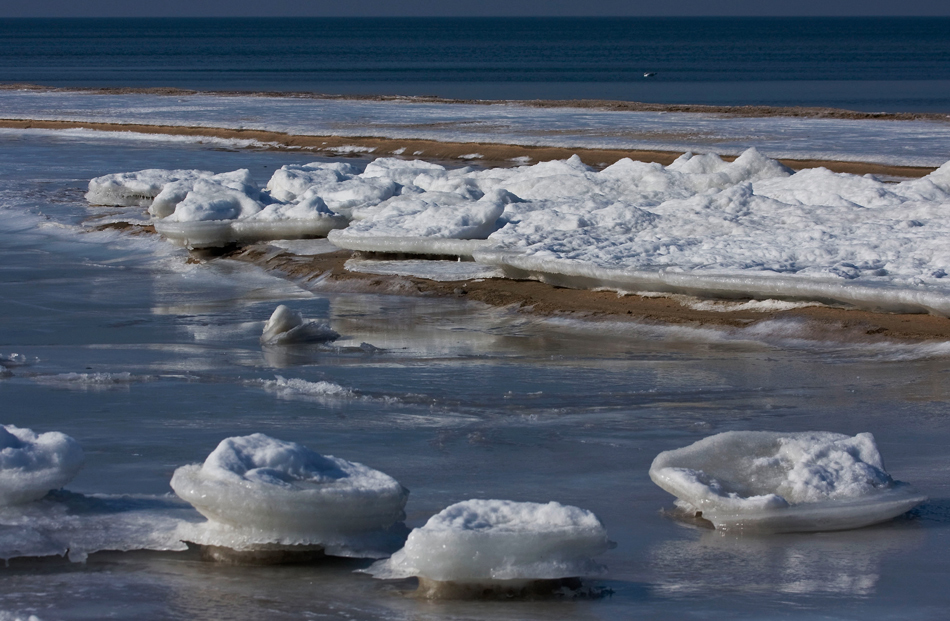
(490, 540)
(783, 482)
(256, 490)
(32, 464)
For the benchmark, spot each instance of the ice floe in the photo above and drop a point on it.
(264, 495)
(32, 464)
(479, 545)
(287, 326)
(783, 482)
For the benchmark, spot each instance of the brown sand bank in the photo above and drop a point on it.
(490, 153)
(824, 323)
(589, 104)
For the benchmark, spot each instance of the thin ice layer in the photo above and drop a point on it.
(258, 490)
(783, 481)
(80, 525)
(32, 464)
(487, 540)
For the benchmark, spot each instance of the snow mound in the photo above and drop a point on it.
(484, 541)
(783, 482)
(286, 326)
(258, 491)
(31, 464)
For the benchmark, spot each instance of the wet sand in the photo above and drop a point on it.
(327, 272)
(492, 154)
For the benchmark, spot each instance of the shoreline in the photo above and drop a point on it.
(829, 323)
(751, 111)
(495, 154)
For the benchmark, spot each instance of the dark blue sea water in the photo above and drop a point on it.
(888, 64)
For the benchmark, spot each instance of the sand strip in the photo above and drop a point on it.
(492, 154)
(326, 272)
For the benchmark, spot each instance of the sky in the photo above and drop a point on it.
(413, 8)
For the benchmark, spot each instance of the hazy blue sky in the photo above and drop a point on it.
(95, 8)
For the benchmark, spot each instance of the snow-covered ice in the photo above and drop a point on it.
(783, 482)
(494, 542)
(32, 464)
(750, 228)
(257, 491)
(286, 326)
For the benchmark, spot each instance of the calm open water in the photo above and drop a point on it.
(886, 64)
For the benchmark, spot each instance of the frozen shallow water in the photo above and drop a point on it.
(912, 143)
(149, 362)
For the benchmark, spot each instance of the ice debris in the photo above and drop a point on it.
(479, 545)
(31, 464)
(261, 494)
(287, 326)
(783, 482)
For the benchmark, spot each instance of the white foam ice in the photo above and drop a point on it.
(286, 326)
(480, 541)
(783, 482)
(295, 386)
(258, 491)
(79, 525)
(32, 464)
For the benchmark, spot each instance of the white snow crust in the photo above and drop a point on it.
(31, 464)
(256, 490)
(489, 540)
(783, 482)
(287, 326)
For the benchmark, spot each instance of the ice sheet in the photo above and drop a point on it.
(775, 482)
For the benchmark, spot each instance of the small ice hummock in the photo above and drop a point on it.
(287, 326)
(783, 482)
(269, 501)
(479, 548)
(32, 465)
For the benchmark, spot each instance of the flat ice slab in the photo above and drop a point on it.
(490, 540)
(256, 490)
(441, 271)
(32, 464)
(783, 482)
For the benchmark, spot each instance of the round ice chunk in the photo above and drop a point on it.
(487, 540)
(783, 481)
(282, 492)
(287, 326)
(33, 464)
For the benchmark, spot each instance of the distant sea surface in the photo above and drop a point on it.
(869, 64)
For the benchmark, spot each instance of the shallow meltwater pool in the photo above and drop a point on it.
(149, 362)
